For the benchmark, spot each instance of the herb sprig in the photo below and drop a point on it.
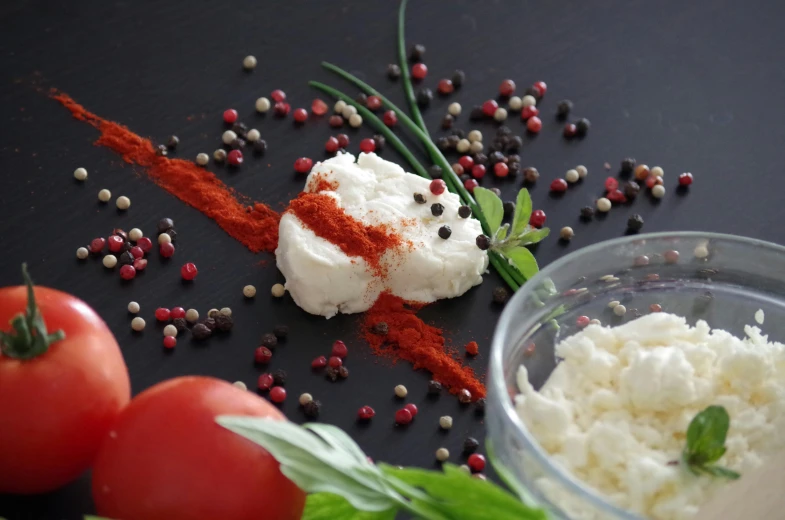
(706, 436)
(324, 461)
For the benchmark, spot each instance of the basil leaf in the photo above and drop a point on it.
(491, 207)
(719, 471)
(706, 435)
(523, 211)
(327, 506)
(523, 260)
(533, 236)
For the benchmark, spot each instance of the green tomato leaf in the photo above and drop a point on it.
(533, 236)
(523, 211)
(721, 472)
(523, 260)
(706, 435)
(327, 506)
(491, 207)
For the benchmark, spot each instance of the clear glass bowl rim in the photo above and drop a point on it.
(506, 321)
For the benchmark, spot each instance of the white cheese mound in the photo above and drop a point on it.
(323, 280)
(616, 410)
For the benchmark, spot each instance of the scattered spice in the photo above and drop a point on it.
(635, 223)
(281, 331)
(403, 417)
(200, 331)
(470, 445)
(365, 413)
(305, 398)
(278, 290)
(472, 348)
(138, 324)
(279, 377)
(269, 340)
(500, 294)
(311, 409)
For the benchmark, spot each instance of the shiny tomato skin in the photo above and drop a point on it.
(167, 459)
(56, 408)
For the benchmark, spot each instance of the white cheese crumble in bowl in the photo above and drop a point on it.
(600, 362)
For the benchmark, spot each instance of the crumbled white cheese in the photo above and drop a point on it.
(759, 316)
(323, 280)
(615, 410)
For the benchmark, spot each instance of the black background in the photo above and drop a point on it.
(691, 86)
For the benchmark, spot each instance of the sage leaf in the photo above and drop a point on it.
(491, 207)
(523, 260)
(328, 506)
(523, 211)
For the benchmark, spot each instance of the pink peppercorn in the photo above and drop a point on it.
(367, 145)
(559, 185)
(537, 218)
(489, 107)
(570, 130)
(177, 312)
(335, 362)
(265, 381)
(412, 409)
(140, 264)
(685, 179)
(611, 184)
(419, 71)
(137, 252)
(277, 394)
(278, 95)
(365, 413)
(478, 171)
(507, 88)
(653, 180)
(162, 314)
(343, 140)
(303, 165)
(445, 87)
(528, 112)
(336, 121)
(403, 417)
(339, 349)
(300, 115)
(616, 196)
(127, 272)
(97, 245)
(318, 107)
(582, 321)
(263, 355)
(235, 158)
(230, 116)
(540, 87)
(166, 249)
(170, 342)
(466, 161)
(331, 145)
(282, 109)
(476, 462)
(438, 186)
(390, 118)
(534, 125)
(470, 184)
(501, 170)
(145, 244)
(189, 271)
(373, 103)
(115, 243)
(319, 362)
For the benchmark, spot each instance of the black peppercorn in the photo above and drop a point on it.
(464, 177)
(237, 143)
(200, 331)
(331, 373)
(514, 158)
(445, 232)
(531, 91)
(161, 150)
(582, 127)
(119, 232)
(515, 143)
(464, 212)
(437, 209)
(381, 328)
(259, 146)
(223, 322)
(509, 208)
(417, 52)
(480, 158)
(460, 133)
(379, 141)
(458, 77)
(435, 171)
(269, 340)
(172, 234)
(173, 141)
(126, 258)
(281, 331)
(424, 97)
(587, 212)
(627, 165)
(362, 98)
(500, 295)
(180, 324)
(479, 406)
(497, 192)
(563, 109)
(631, 189)
(393, 71)
(483, 242)
(635, 223)
(209, 323)
(470, 445)
(503, 130)
(453, 140)
(514, 167)
(240, 129)
(447, 122)
(164, 225)
(476, 114)
(279, 377)
(496, 157)
(343, 372)
(434, 387)
(311, 409)
(443, 143)
(419, 198)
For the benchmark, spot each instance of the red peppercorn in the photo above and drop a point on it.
(170, 342)
(501, 170)
(335, 361)
(166, 249)
(97, 245)
(278, 394)
(537, 218)
(438, 186)
(403, 417)
(263, 355)
(653, 180)
(177, 312)
(278, 95)
(230, 116)
(476, 462)
(529, 112)
(540, 87)
(478, 171)
(685, 179)
(365, 413)
(339, 349)
(419, 71)
(489, 107)
(367, 145)
(445, 87)
(300, 115)
(115, 243)
(319, 362)
(162, 314)
(282, 109)
(611, 184)
(466, 161)
(390, 118)
(137, 252)
(235, 157)
(336, 121)
(318, 107)
(127, 272)
(145, 244)
(412, 409)
(559, 185)
(303, 165)
(570, 130)
(507, 88)
(343, 140)
(140, 264)
(582, 321)
(470, 184)
(265, 381)
(189, 271)
(616, 196)
(373, 103)
(534, 125)
(331, 145)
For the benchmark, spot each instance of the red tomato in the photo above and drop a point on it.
(167, 459)
(56, 408)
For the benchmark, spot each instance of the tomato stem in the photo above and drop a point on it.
(29, 337)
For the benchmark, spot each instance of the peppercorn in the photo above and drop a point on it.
(531, 174)
(582, 127)
(162, 151)
(470, 445)
(476, 114)
(464, 211)
(200, 331)
(259, 146)
(279, 377)
(566, 233)
(627, 165)
(381, 328)
(496, 157)
(362, 98)
(497, 192)
(180, 324)
(514, 144)
(631, 189)
(419, 198)
(240, 129)
(479, 406)
(458, 77)
(343, 372)
(465, 177)
(453, 141)
(311, 409)
(417, 52)
(331, 373)
(483, 242)
(281, 331)
(447, 122)
(563, 109)
(434, 387)
(126, 258)
(393, 71)
(500, 295)
(164, 225)
(437, 209)
(424, 97)
(445, 232)
(460, 133)
(587, 212)
(509, 208)
(480, 158)
(224, 323)
(379, 141)
(269, 340)
(514, 168)
(635, 223)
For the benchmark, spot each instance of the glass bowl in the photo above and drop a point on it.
(721, 279)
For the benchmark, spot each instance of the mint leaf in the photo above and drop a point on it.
(523, 260)
(523, 211)
(328, 506)
(706, 436)
(501, 233)
(491, 207)
(719, 471)
(533, 236)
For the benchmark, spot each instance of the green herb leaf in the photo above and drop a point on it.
(501, 233)
(328, 506)
(533, 236)
(522, 259)
(507, 477)
(87, 517)
(491, 207)
(706, 436)
(719, 471)
(523, 211)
